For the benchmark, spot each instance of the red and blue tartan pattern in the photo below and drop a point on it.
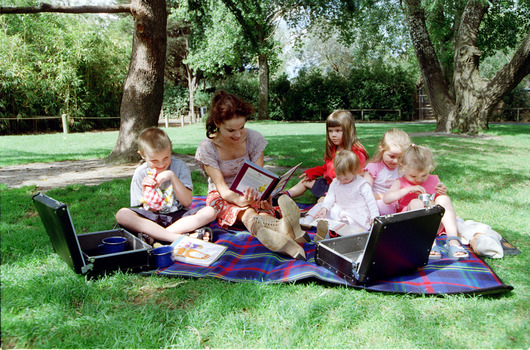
(247, 260)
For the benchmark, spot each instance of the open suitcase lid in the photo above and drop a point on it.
(399, 243)
(58, 224)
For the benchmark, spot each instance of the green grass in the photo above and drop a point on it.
(46, 305)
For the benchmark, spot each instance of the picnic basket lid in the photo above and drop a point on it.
(58, 224)
(400, 243)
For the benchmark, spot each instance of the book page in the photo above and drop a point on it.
(283, 181)
(341, 228)
(254, 179)
(195, 251)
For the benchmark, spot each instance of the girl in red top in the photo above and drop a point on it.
(340, 134)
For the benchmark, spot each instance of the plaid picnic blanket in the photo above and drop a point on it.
(247, 260)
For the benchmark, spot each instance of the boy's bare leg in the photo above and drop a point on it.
(192, 222)
(132, 221)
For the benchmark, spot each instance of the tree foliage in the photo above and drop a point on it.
(60, 64)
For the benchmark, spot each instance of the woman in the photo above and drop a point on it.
(220, 155)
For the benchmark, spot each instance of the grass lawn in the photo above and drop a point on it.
(46, 305)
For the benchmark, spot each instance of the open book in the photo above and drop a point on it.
(265, 182)
(196, 251)
(340, 228)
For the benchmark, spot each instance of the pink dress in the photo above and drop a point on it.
(429, 185)
(383, 179)
(353, 203)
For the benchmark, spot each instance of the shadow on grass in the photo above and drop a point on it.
(23, 157)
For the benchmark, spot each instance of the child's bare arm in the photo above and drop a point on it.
(304, 177)
(396, 192)
(369, 178)
(184, 195)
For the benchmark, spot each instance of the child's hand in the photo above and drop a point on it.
(149, 181)
(321, 213)
(304, 177)
(166, 175)
(441, 189)
(417, 189)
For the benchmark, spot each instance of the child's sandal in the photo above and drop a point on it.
(452, 250)
(146, 238)
(201, 232)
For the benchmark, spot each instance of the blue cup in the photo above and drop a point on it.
(114, 244)
(163, 256)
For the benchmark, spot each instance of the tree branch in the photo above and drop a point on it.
(511, 74)
(42, 7)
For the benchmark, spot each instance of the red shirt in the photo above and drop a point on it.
(328, 170)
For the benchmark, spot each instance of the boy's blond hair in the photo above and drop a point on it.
(393, 137)
(346, 162)
(418, 158)
(153, 140)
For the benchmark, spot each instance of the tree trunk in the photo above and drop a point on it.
(436, 86)
(143, 90)
(192, 86)
(468, 84)
(263, 97)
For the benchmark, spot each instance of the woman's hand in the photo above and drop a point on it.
(249, 197)
(265, 205)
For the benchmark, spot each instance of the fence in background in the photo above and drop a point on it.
(365, 110)
(164, 120)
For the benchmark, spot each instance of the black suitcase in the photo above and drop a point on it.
(81, 252)
(397, 244)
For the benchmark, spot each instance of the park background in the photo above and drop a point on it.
(319, 58)
(76, 65)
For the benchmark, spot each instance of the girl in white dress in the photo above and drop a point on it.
(349, 198)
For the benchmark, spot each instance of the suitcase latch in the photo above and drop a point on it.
(87, 268)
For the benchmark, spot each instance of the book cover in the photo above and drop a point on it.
(195, 251)
(266, 183)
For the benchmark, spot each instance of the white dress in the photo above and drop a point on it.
(351, 203)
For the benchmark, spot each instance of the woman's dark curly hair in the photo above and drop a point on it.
(224, 107)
